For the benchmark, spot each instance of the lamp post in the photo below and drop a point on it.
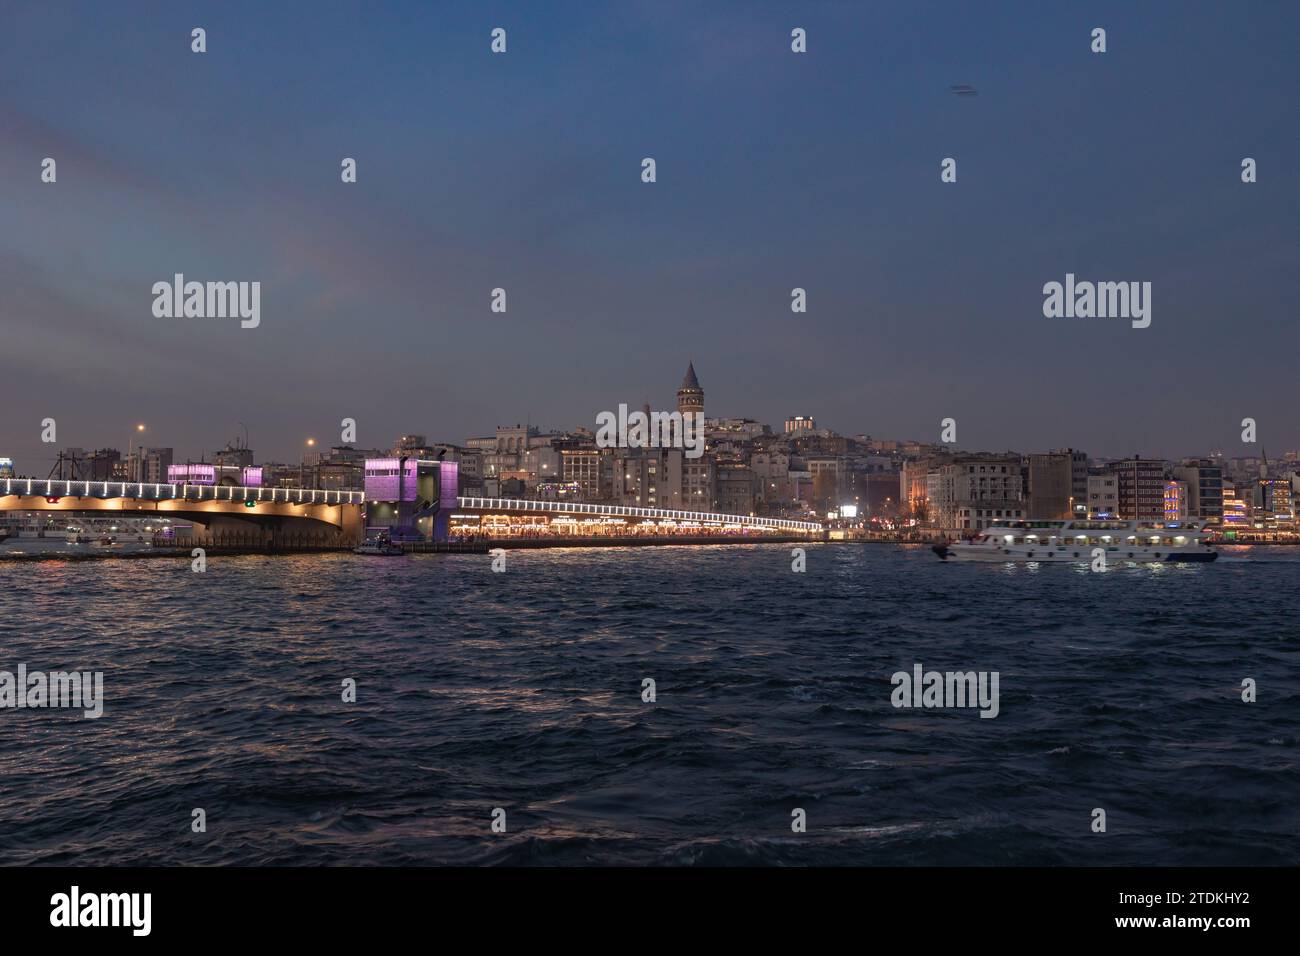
(129, 445)
(302, 465)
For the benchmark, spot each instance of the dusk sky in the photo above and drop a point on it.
(775, 170)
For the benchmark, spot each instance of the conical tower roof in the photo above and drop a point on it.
(690, 381)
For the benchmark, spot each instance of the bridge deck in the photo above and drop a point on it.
(149, 491)
(525, 505)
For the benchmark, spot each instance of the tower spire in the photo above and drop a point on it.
(690, 397)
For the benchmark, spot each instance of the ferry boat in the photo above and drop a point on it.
(1059, 542)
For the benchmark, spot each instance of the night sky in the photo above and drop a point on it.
(775, 170)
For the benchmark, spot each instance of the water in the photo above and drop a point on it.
(522, 690)
(57, 544)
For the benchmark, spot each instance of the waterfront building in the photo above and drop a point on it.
(1103, 496)
(514, 440)
(411, 446)
(1204, 477)
(542, 463)
(1049, 484)
(339, 468)
(829, 475)
(592, 469)
(878, 496)
(103, 464)
(1079, 471)
(1175, 500)
(1236, 508)
(914, 484)
(740, 430)
(154, 463)
(276, 474)
(1141, 486)
(497, 464)
(975, 491)
(471, 469)
(735, 489)
(774, 492)
(1273, 503)
(699, 481)
(801, 483)
(6, 468)
(649, 478)
(234, 455)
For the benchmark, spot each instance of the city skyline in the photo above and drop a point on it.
(141, 437)
(818, 172)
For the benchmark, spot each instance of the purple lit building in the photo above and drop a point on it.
(192, 474)
(388, 480)
(202, 473)
(411, 497)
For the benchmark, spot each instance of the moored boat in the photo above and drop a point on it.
(380, 546)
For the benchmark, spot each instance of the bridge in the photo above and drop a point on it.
(234, 515)
(669, 516)
(221, 514)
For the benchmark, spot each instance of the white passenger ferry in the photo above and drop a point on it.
(1140, 542)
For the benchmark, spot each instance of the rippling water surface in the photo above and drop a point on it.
(522, 690)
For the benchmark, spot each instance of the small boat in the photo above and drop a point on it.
(77, 536)
(1060, 542)
(378, 546)
(108, 541)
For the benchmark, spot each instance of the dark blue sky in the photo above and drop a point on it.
(775, 170)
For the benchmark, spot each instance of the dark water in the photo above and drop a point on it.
(522, 690)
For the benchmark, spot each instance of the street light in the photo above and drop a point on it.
(302, 465)
(129, 445)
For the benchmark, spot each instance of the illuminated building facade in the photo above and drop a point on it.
(1236, 509)
(203, 473)
(1175, 500)
(411, 497)
(1273, 503)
